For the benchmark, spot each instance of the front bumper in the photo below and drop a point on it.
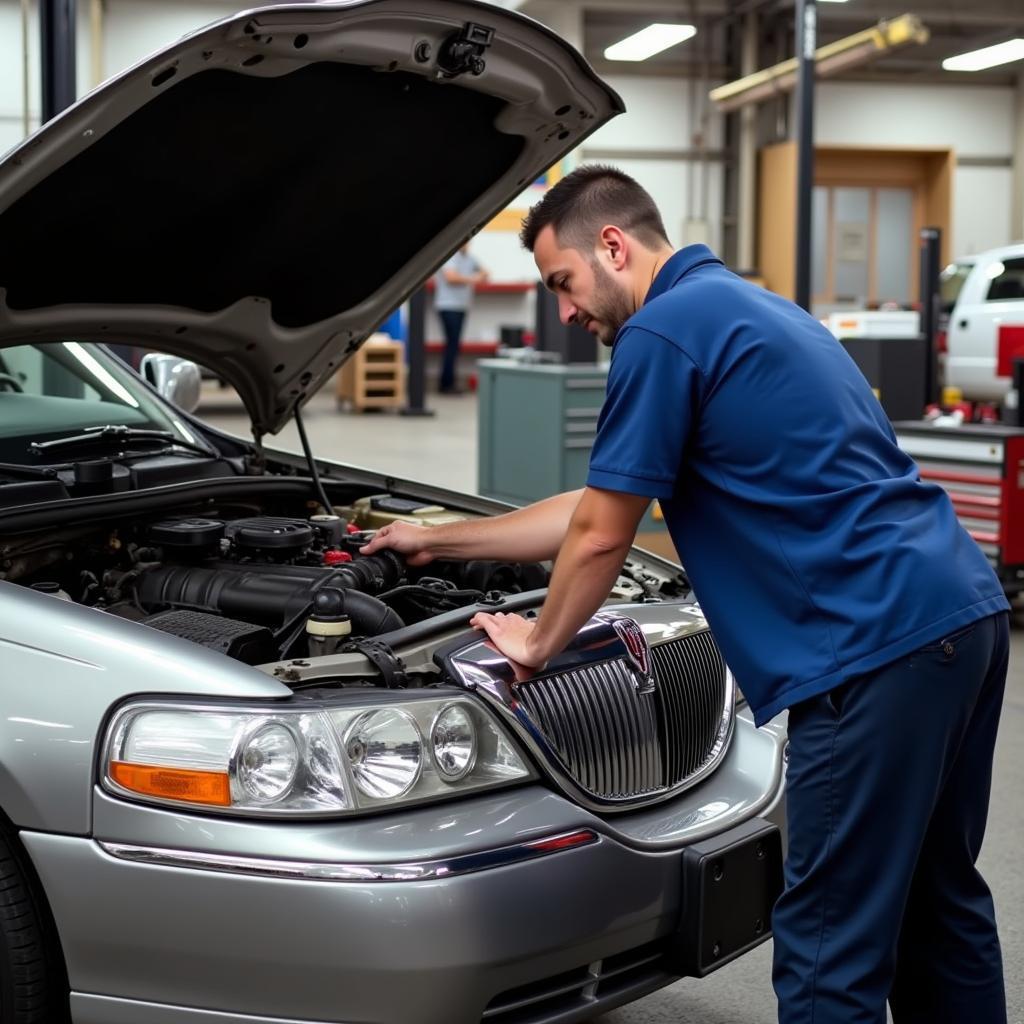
(500, 944)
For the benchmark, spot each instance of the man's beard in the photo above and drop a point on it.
(610, 307)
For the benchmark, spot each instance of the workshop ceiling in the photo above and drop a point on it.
(956, 26)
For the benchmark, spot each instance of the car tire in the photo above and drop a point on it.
(33, 981)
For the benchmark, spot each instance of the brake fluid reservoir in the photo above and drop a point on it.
(382, 509)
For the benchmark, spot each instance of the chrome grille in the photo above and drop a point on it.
(692, 692)
(617, 742)
(605, 733)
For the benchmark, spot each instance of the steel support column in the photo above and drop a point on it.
(57, 55)
(930, 250)
(806, 43)
(415, 347)
(746, 213)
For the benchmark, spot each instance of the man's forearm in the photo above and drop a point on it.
(531, 534)
(596, 544)
(584, 575)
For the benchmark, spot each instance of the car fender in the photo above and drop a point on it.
(65, 667)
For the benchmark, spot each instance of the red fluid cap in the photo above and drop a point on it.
(352, 528)
(335, 557)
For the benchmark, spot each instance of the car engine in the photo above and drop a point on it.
(265, 587)
(274, 585)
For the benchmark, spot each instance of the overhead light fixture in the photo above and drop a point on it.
(832, 1)
(649, 41)
(987, 57)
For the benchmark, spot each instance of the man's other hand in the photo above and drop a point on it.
(406, 539)
(510, 635)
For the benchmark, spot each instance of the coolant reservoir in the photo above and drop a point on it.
(381, 509)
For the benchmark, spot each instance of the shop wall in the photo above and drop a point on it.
(131, 29)
(12, 63)
(976, 121)
(655, 141)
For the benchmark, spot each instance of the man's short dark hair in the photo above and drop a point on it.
(585, 201)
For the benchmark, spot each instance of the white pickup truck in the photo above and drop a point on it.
(980, 293)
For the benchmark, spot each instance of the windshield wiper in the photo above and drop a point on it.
(121, 438)
(29, 472)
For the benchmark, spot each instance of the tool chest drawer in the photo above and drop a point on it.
(981, 468)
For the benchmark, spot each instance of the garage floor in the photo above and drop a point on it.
(442, 449)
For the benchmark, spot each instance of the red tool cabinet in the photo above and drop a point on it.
(981, 467)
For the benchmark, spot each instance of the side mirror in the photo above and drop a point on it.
(178, 380)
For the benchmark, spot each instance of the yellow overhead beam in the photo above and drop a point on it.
(845, 53)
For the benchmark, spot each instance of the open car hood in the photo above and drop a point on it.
(262, 194)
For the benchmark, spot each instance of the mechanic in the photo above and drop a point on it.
(837, 583)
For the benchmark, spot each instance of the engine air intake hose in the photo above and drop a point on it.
(270, 595)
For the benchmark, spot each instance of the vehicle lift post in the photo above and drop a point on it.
(929, 249)
(416, 354)
(806, 43)
(57, 63)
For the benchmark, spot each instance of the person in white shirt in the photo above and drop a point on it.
(454, 284)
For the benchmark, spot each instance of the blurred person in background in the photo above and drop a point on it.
(454, 285)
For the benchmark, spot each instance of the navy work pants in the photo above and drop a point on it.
(452, 321)
(887, 794)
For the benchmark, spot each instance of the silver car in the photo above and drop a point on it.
(247, 774)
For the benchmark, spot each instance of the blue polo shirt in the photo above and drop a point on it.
(815, 549)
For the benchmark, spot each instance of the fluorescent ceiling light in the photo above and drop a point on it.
(832, 1)
(649, 41)
(988, 57)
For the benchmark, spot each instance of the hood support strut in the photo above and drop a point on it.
(318, 487)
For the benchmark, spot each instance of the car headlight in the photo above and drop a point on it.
(385, 751)
(453, 742)
(302, 761)
(267, 762)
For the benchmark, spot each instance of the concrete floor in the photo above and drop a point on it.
(439, 448)
(442, 449)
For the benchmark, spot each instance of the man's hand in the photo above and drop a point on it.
(406, 539)
(510, 635)
(596, 544)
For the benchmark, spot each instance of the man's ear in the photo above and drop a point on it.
(613, 247)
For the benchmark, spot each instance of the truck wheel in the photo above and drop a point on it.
(33, 983)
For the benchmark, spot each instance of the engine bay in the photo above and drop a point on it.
(275, 582)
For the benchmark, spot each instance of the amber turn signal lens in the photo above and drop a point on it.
(173, 783)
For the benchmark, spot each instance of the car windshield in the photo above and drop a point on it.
(56, 390)
(951, 282)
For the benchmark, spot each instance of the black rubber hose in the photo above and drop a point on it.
(273, 596)
(369, 616)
